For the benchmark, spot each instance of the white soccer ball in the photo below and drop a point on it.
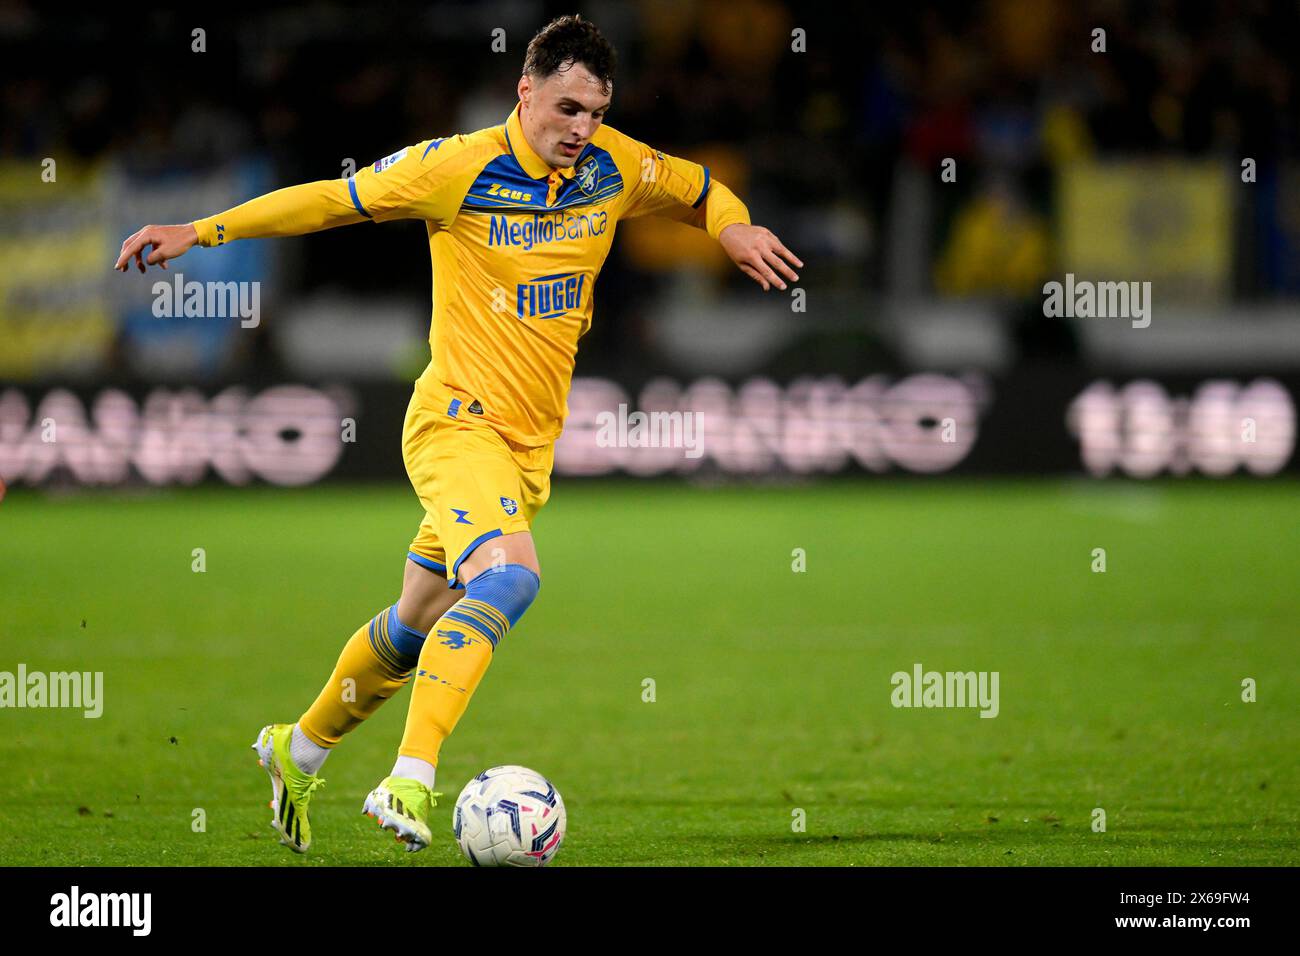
(509, 816)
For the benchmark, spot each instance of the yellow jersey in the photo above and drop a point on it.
(516, 246)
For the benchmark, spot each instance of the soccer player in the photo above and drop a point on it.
(520, 218)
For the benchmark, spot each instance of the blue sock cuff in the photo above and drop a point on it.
(510, 588)
(407, 641)
(493, 603)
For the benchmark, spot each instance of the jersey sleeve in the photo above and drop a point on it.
(292, 211)
(721, 208)
(418, 182)
(659, 184)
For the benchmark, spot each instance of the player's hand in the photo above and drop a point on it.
(168, 242)
(759, 254)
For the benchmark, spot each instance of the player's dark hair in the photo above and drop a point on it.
(568, 40)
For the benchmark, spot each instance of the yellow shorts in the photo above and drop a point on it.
(474, 484)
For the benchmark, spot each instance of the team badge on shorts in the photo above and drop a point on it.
(509, 504)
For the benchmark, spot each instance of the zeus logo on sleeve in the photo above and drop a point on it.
(550, 297)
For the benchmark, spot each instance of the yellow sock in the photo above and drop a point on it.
(451, 665)
(458, 652)
(375, 663)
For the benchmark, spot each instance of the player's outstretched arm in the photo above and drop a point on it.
(755, 250)
(759, 254)
(293, 211)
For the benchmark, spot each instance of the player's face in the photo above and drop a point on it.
(561, 113)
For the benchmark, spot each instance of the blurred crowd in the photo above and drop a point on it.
(814, 113)
(1009, 82)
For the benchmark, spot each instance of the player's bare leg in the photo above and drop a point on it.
(501, 580)
(426, 596)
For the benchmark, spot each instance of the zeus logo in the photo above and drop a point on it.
(496, 189)
(549, 297)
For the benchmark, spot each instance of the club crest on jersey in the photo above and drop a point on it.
(549, 297)
(387, 161)
(510, 505)
(587, 177)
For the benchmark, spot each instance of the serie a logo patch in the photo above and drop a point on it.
(387, 161)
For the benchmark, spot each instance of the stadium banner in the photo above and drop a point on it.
(1166, 221)
(64, 312)
(55, 238)
(199, 319)
(1030, 422)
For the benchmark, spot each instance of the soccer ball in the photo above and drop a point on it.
(509, 816)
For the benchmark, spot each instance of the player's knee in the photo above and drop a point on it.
(510, 588)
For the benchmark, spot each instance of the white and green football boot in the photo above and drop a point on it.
(291, 789)
(404, 806)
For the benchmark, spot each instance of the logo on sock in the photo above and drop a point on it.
(456, 640)
(441, 680)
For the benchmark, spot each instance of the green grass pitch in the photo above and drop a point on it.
(1119, 690)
